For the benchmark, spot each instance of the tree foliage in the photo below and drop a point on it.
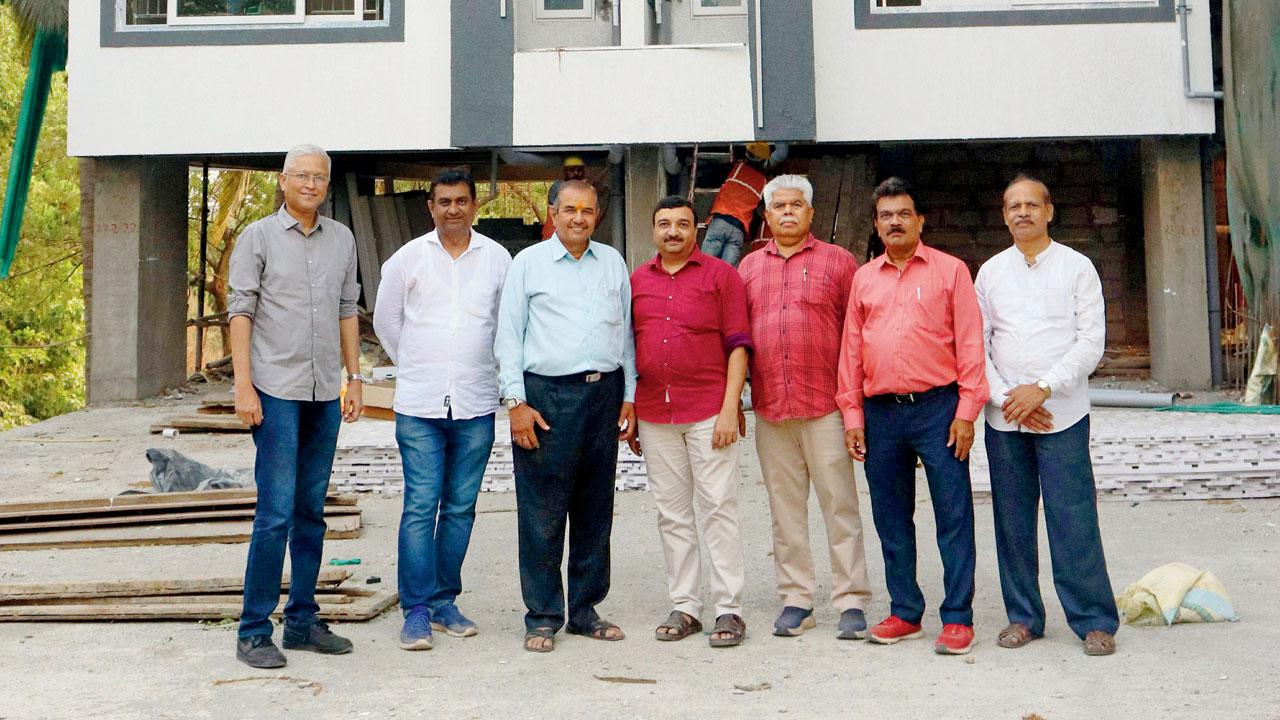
(42, 347)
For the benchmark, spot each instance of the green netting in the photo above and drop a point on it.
(1225, 408)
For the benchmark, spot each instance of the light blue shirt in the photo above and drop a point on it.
(561, 316)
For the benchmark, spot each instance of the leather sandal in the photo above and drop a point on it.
(598, 630)
(1099, 642)
(732, 624)
(683, 625)
(1015, 635)
(540, 633)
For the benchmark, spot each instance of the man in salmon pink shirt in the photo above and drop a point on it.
(797, 293)
(912, 382)
(690, 317)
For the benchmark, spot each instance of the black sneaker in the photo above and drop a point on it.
(258, 651)
(315, 638)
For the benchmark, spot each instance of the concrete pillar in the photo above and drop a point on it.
(137, 321)
(1177, 304)
(646, 185)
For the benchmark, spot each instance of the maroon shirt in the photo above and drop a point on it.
(686, 324)
(797, 307)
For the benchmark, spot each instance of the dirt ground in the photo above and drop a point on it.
(188, 670)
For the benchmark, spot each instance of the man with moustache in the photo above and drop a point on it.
(1045, 332)
(566, 360)
(692, 341)
(292, 310)
(797, 292)
(911, 385)
(436, 316)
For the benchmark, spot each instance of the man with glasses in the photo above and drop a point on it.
(292, 310)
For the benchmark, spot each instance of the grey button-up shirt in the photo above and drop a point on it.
(295, 288)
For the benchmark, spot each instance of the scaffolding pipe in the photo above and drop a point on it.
(204, 263)
(1211, 262)
(1101, 397)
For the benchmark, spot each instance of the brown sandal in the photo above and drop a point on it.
(683, 624)
(731, 624)
(540, 633)
(1014, 636)
(598, 630)
(1099, 642)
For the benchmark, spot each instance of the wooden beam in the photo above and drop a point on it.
(341, 527)
(329, 577)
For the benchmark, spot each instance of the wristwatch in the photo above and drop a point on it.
(1048, 391)
(356, 377)
(512, 403)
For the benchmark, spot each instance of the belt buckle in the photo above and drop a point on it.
(592, 377)
(903, 399)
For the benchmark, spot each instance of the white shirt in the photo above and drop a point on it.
(1041, 322)
(436, 317)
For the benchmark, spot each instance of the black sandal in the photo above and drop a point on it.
(682, 623)
(732, 624)
(543, 633)
(597, 630)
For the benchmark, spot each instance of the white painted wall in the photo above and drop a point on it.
(632, 95)
(1002, 82)
(259, 98)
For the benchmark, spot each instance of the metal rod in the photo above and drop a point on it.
(1211, 262)
(1182, 11)
(502, 8)
(204, 262)
(760, 71)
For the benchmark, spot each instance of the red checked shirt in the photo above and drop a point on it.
(797, 306)
(911, 331)
(686, 325)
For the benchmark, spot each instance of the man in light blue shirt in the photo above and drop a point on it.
(566, 366)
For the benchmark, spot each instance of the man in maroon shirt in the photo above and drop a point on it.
(797, 292)
(690, 317)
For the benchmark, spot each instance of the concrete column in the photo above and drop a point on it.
(137, 321)
(1173, 222)
(646, 185)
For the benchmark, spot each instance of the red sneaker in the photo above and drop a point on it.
(892, 629)
(954, 640)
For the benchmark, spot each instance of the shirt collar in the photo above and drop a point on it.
(433, 238)
(288, 221)
(924, 254)
(561, 252)
(809, 243)
(1044, 255)
(695, 258)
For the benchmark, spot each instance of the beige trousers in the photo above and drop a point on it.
(793, 455)
(684, 474)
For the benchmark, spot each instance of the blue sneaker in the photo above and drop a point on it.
(793, 621)
(853, 625)
(450, 621)
(416, 633)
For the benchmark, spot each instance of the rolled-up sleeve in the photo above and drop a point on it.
(735, 326)
(350, 286)
(244, 274)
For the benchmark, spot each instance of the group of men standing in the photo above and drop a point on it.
(883, 364)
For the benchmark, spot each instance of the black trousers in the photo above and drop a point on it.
(569, 477)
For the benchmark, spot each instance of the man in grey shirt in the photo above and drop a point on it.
(292, 309)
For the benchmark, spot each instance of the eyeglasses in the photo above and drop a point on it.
(304, 178)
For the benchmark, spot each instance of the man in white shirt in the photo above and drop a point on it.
(1044, 328)
(436, 316)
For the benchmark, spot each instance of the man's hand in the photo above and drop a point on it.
(961, 437)
(742, 421)
(1040, 420)
(627, 422)
(855, 442)
(726, 430)
(634, 444)
(248, 406)
(523, 419)
(354, 404)
(1020, 401)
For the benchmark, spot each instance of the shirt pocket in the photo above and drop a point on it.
(702, 314)
(482, 298)
(611, 313)
(1057, 303)
(931, 306)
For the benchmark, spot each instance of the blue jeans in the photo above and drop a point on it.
(444, 462)
(898, 433)
(295, 443)
(724, 240)
(1057, 465)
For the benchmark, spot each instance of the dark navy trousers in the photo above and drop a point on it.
(568, 479)
(898, 433)
(1025, 466)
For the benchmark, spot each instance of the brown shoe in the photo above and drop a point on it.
(1014, 636)
(1099, 642)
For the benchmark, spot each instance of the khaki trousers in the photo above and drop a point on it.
(793, 455)
(684, 474)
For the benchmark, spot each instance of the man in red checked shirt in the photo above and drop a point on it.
(797, 292)
(912, 382)
(690, 317)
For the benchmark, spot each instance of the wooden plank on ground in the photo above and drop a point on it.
(329, 578)
(142, 503)
(358, 610)
(201, 423)
(340, 527)
(366, 244)
(323, 597)
(12, 526)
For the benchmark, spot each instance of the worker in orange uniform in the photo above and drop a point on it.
(735, 204)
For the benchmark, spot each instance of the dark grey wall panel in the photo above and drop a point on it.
(483, 74)
(786, 37)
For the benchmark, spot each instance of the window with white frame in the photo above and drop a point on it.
(233, 12)
(719, 7)
(564, 9)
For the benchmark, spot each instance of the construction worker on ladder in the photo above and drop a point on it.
(736, 202)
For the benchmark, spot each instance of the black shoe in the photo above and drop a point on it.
(315, 638)
(258, 651)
